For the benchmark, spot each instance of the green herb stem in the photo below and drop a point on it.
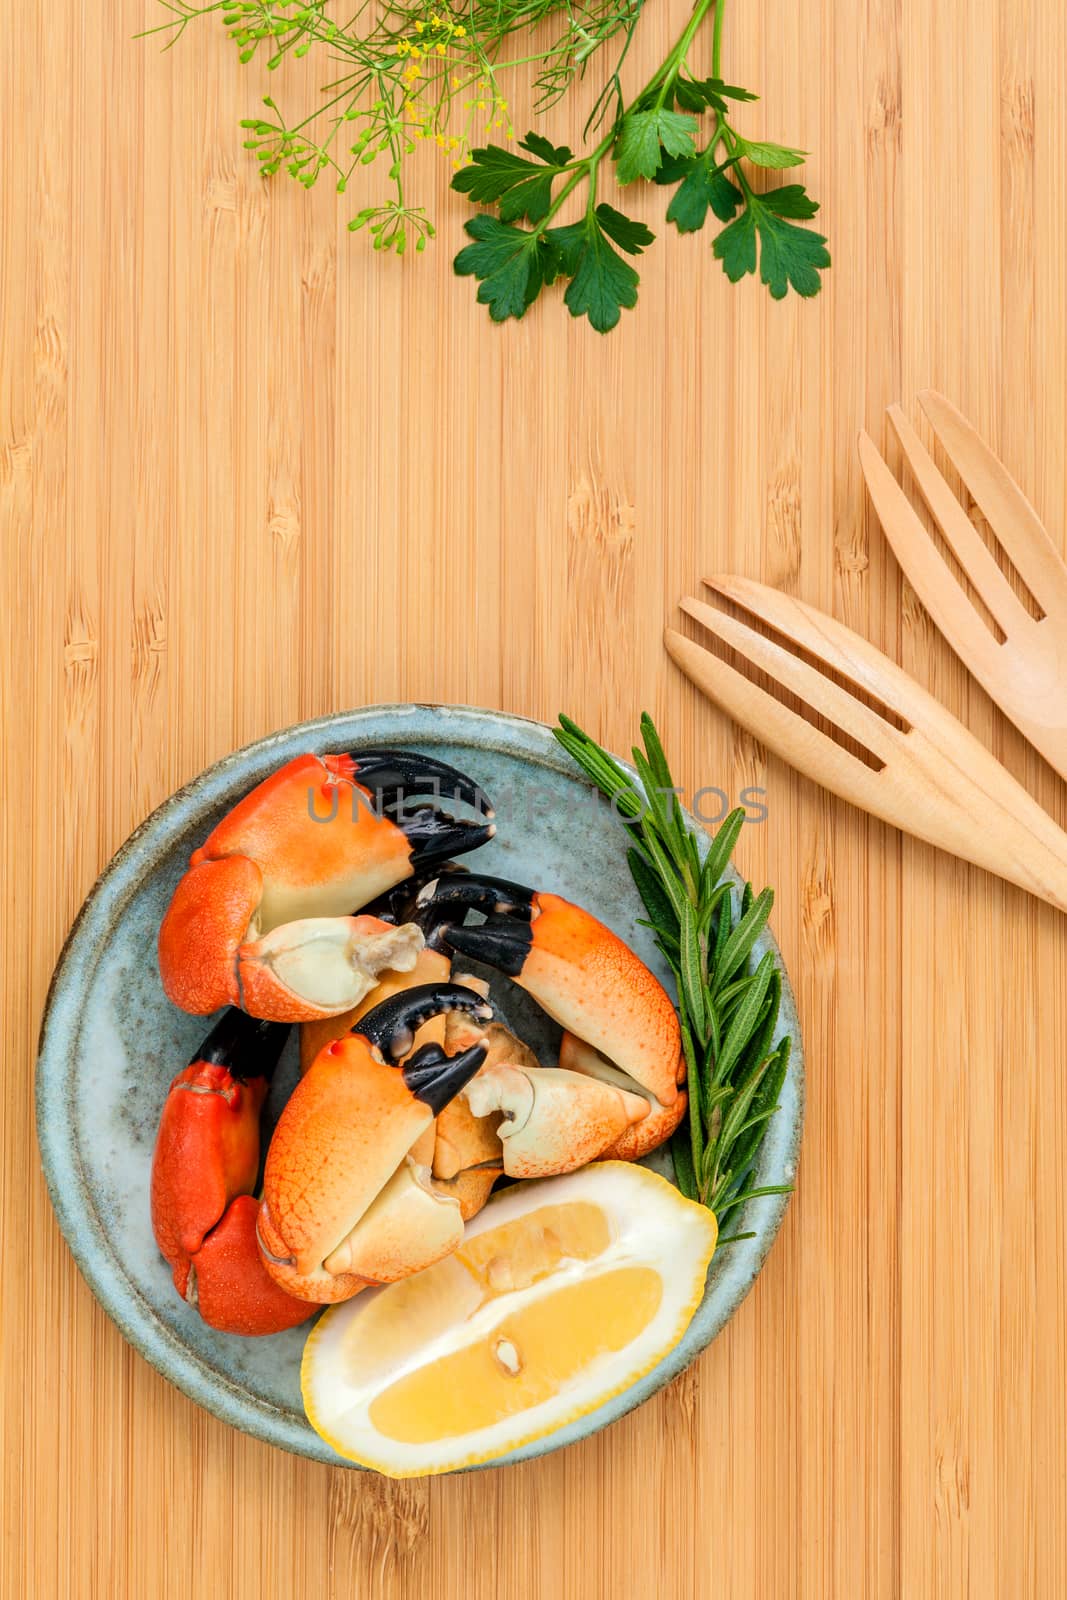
(728, 999)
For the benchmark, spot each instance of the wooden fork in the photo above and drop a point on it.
(933, 779)
(1026, 672)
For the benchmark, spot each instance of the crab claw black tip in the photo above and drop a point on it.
(402, 903)
(246, 1046)
(392, 1025)
(501, 942)
(435, 1078)
(476, 892)
(390, 775)
(433, 836)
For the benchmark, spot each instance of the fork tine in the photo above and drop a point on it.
(854, 658)
(926, 570)
(968, 546)
(842, 650)
(784, 731)
(821, 695)
(1005, 507)
(938, 782)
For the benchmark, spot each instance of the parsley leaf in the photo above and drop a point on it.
(521, 188)
(631, 236)
(699, 94)
(763, 154)
(792, 200)
(512, 265)
(704, 185)
(645, 135)
(789, 257)
(602, 283)
(555, 155)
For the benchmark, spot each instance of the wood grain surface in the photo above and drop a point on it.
(250, 473)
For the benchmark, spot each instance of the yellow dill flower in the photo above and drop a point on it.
(441, 50)
(455, 81)
(440, 139)
(453, 143)
(461, 32)
(420, 27)
(403, 48)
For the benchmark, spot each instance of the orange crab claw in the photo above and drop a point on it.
(343, 1200)
(230, 1286)
(553, 1121)
(248, 924)
(577, 970)
(207, 1147)
(203, 1169)
(641, 1137)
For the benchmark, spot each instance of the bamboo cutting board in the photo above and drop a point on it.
(250, 473)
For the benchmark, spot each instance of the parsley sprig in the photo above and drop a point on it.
(728, 1000)
(399, 75)
(654, 137)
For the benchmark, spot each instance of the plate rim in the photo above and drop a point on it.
(115, 1291)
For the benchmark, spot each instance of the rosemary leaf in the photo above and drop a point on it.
(738, 946)
(657, 902)
(693, 970)
(746, 1018)
(722, 848)
(728, 1012)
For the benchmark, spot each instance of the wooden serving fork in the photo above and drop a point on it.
(924, 771)
(1025, 672)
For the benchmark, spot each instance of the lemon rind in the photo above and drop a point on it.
(459, 1463)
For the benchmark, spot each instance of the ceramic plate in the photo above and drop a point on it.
(111, 1042)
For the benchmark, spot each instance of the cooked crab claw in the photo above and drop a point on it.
(432, 964)
(640, 1137)
(262, 918)
(203, 1171)
(528, 1121)
(553, 1121)
(578, 971)
(345, 1199)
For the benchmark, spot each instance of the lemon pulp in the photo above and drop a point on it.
(562, 1294)
(524, 1360)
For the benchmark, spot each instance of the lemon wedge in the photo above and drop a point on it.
(563, 1293)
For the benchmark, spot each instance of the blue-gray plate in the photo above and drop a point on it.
(111, 1042)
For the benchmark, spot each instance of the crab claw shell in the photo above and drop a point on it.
(554, 1121)
(202, 930)
(584, 976)
(641, 1137)
(408, 1227)
(347, 1129)
(206, 1153)
(470, 1188)
(229, 1285)
(343, 1133)
(430, 966)
(322, 965)
(316, 1285)
(318, 838)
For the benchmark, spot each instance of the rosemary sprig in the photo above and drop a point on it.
(728, 1001)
